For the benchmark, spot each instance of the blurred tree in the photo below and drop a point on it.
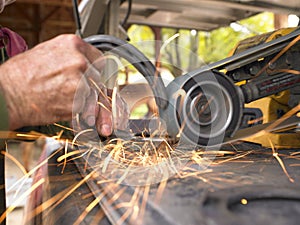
(217, 44)
(142, 37)
(191, 50)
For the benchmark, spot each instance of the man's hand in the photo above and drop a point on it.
(105, 110)
(39, 85)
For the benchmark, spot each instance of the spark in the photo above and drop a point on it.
(28, 135)
(64, 127)
(192, 172)
(136, 211)
(69, 154)
(295, 164)
(58, 136)
(235, 157)
(19, 165)
(65, 159)
(284, 50)
(125, 216)
(106, 161)
(117, 195)
(144, 202)
(244, 201)
(88, 156)
(160, 191)
(32, 171)
(97, 87)
(98, 217)
(296, 72)
(181, 94)
(14, 160)
(80, 133)
(54, 202)
(255, 121)
(275, 154)
(58, 198)
(293, 111)
(45, 205)
(122, 178)
(104, 107)
(168, 41)
(130, 205)
(211, 152)
(20, 199)
(19, 135)
(295, 153)
(89, 208)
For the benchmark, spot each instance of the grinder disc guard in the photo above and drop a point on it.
(204, 108)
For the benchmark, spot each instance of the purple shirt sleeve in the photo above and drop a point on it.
(16, 44)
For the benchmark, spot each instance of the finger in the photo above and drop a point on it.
(91, 52)
(99, 63)
(93, 75)
(89, 112)
(122, 113)
(83, 88)
(78, 104)
(104, 121)
(95, 57)
(82, 92)
(125, 113)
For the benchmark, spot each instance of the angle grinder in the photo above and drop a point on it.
(205, 107)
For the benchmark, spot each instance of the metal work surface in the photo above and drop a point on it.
(244, 184)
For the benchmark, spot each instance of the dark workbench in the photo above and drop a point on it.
(248, 187)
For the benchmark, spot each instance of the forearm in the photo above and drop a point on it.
(9, 118)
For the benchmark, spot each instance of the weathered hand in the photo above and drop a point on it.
(105, 110)
(39, 85)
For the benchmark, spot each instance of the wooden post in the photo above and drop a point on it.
(157, 41)
(111, 68)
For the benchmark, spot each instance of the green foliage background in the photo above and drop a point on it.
(208, 47)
